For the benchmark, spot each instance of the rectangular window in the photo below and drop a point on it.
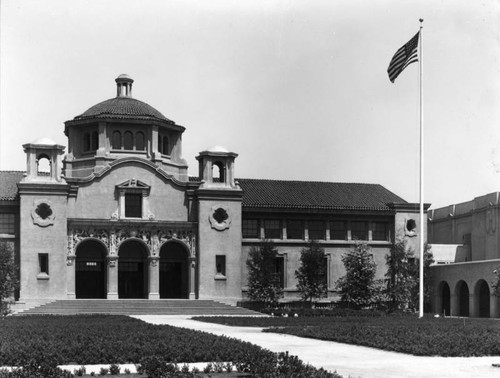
(338, 230)
(133, 205)
(220, 265)
(359, 230)
(7, 223)
(380, 231)
(294, 229)
(280, 270)
(316, 230)
(251, 228)
(272, 229)
(43, 262)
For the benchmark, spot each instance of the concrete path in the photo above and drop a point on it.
(348, 360)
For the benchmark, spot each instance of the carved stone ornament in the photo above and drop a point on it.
(219, 218)
(410, 228)
(42, 213)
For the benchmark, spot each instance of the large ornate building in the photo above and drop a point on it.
(118, 216)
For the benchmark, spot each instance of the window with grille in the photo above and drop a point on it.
(272, 229)
(316, 230)
(380, 231)
(133, 205)
(251, 228)
(338, 230)
(294, 229)
(7, 223)
(359, 230)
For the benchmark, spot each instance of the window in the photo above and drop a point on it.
(280, 271)
(95, 141)
(86, 142)
(272, 229)
(163, 144)
(251, 228)
(133, 205)
(7, 223)
(128, 140)
(220, 265)
(316, 230)
(380, 231)
(43, 165)
(338, 230)
(117, 140)
(359, 231)
(294, 229)
(43, 262)
(324, 273)
(139, 141)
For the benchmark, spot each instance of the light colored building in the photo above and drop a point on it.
(465, 241)
(118, 216)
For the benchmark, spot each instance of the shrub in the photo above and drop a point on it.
(114, 369)
(8, 279)
(103, 371)
(311, 275)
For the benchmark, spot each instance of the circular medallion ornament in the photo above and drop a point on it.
(43, 213)
(219, 218)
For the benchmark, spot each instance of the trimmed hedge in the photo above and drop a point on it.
(103, 339)
(447, 337)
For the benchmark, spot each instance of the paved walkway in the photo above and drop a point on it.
(348, 360)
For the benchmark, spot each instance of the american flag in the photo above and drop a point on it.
(406, 55)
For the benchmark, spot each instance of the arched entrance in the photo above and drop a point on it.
(132, 270)
(463, 298)
(482, 295)
(445, 299)
(174, 271)
(90, 266)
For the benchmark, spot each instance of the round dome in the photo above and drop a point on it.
(123, 108)
(44, 140)
(218, 149)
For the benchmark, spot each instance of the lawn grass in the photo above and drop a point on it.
(429, 336)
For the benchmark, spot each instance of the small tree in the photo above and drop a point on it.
(401, 276)
(8, 277)
(311, 275)
(263, 282)
(428, 260)
(358, 287)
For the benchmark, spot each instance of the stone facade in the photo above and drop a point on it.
(118, 216)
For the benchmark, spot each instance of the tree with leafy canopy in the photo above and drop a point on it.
(358, 288)
(263, 282)
(8, 277)
(311, 275)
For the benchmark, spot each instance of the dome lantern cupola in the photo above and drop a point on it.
(124, 86)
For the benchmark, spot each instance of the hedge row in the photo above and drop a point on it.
(429, 336)
(99, 339)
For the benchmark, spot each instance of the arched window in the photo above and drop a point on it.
(86, 142)
(160, 145)
(165, 146)
(95, 140)
(43, 165)
(128, 140)
(218, 172)
(117, 140)
(139, 141)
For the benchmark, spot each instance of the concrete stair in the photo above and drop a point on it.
(138, 307)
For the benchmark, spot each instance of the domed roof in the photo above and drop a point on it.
(123, 108)
(44, 140)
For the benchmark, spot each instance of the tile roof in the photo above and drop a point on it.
(316, 195)
(122, 108)
(8, 184)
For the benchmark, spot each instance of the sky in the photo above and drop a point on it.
(299, 89)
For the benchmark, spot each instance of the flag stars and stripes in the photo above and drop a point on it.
(406, 55)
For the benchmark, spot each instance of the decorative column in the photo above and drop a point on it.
(473, 306)
(112, 277)
(154, 277)
(192, 277)
(494, 307)
(70, 276)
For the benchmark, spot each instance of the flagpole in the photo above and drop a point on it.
(422, 225)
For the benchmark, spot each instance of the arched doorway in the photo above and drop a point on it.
(445, 299)
(463, 298)
(90, 274)
(483, 297)
(174, 271)
(132, 270)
